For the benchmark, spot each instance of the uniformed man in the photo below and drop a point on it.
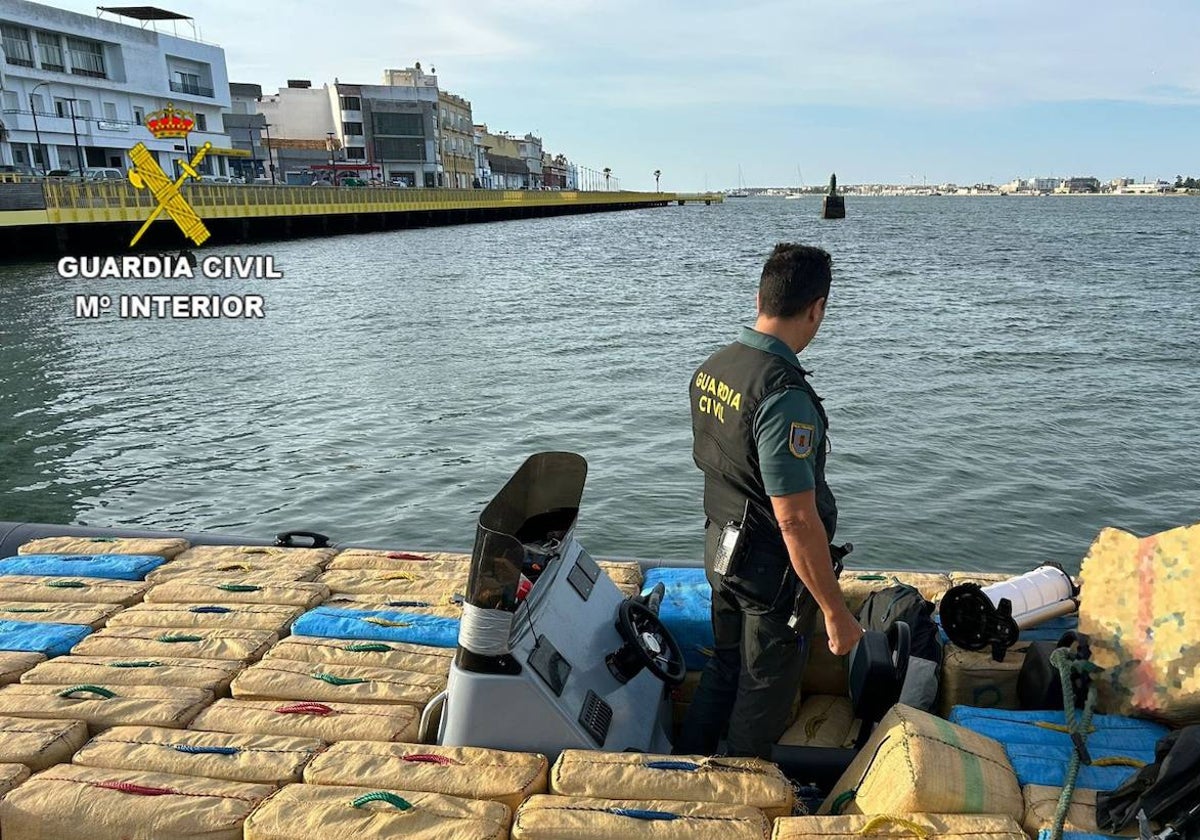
(759, 436)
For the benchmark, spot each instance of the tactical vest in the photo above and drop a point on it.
(726, 393)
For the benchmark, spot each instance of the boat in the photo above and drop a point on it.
(797, 193)
(740, 192)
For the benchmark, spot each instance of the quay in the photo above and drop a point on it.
(60, 217)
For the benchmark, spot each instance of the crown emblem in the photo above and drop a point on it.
(170, 122)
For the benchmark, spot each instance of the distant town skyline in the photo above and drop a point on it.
(929, 91)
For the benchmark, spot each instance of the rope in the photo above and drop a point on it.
(141, 663)
(238, 587)
(87, 689)
(336, 680)
(843, 799)
(1078, 728)
(891, 819)
(1118, 761)
(194, 749)
(1058, 727)
(485, 632)
(67, 584)
(174, 638)
(367, 647)
(382, 796)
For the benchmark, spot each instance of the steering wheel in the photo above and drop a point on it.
(648, 644)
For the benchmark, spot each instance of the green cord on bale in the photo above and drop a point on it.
(1077, 727)
(382, 796)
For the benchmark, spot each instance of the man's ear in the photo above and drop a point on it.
(816, 311)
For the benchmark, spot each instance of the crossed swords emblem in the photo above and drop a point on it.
(147, 174)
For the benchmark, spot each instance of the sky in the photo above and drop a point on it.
(786, 91)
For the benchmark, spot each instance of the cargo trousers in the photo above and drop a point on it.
(752, 681)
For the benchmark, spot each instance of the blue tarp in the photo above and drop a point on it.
(1040, 755)
(686, 611)
(36, 637)
(110, 566)
(378, 626)
(1047, 631)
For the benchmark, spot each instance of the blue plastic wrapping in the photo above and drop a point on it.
(1039, 755)
(378, 626)
(686, 611)
(50, 640)
(110, 566)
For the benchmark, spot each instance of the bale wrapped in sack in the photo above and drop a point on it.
(56, 612)
(37, 588)
(166, 548)
(324, 721)
(189, 643)
(1141, 609)
(823, 721)
(909, 747)
(44, 639)
(11, 775)
(584, 818)
(732, 781)
(102, 708)
(393, 561)
(470, 772)
(1039, 746)
(407, 555)
(312, 812)
(209, 674)
(623, 572)
(244, 570)
(15, 663)
(283, 679)
(272, 617)
(400, 585)
(39, 744)
(686, 610)
(236, 757)
(398, 656)
(107, 566)
(103, 804)
(975, 678)
(215, 555)
(883, 826)
(379, 626)
(1041, 804)
(187, 590)
(447, 607)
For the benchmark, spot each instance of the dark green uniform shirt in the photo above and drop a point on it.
(786, 428)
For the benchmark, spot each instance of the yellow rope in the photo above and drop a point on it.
(402, 576)
(1058, 727)
(885, 819)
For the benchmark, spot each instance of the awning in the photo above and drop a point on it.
(230, 152)
(507, 165)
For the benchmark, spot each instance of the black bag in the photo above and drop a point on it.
(1039, 685)
(902, 602)
(1167, 790)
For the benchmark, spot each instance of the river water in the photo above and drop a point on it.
(1004, 377)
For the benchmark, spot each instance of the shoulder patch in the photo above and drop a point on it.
(800, 439)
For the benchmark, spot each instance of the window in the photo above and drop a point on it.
(17, 48)
(110, 111)
(188, 82)
(50, 52)
(139, 115)
(352, 129)
(399, 148)
(403, 125)
(356, 153)
(8, 99)
(201, 122)
(83, 109)
(61, 108)
(87, 58)
(351, 103)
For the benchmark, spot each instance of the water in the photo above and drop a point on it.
(1004, 377)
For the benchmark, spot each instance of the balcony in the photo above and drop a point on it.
(191, 89)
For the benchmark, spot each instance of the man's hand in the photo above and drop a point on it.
(843, 631)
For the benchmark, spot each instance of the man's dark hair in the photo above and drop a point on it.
(793, 277)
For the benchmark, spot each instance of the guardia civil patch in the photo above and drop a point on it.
(800, 439)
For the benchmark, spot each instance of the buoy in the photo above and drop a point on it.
(834, 205)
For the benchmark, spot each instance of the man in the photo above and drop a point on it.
(759, 436)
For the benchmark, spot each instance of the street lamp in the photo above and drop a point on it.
(75, 131)
(607, 174)
(37, 131)
(332, 172)
(657, 175)
(270, 163)
(253, 157)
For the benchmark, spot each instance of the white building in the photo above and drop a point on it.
(80, 88)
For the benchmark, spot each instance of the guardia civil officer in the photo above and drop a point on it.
(759, 436)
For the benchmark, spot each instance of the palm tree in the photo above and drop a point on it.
(657, 175)
(607, 173)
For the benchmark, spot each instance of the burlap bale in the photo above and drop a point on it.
(72, 590)
(39, 744)
(284, 679)
(857, 585)
(409, 556)
(399, 562)
(921, 826)
(581, 818)
(54, 612)
(70, 801)
(324, 721)
(272, 617)
(312, 812)
(1140, 605)
(892, 773)
(974, 678)
(499, 775)
(1041, 803)
(189, 643)
(209, 674)
(409, 586)
(278, 555)
(823, 721)
(210, 590)
(981, 578)
(629, 590)
(11, 775)
(394, 655)
(14, 663)
(236, 570)
(258, 759)
(447, 607)
(101, 707)
(623, 572)
(168, 548)
(681, 778)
